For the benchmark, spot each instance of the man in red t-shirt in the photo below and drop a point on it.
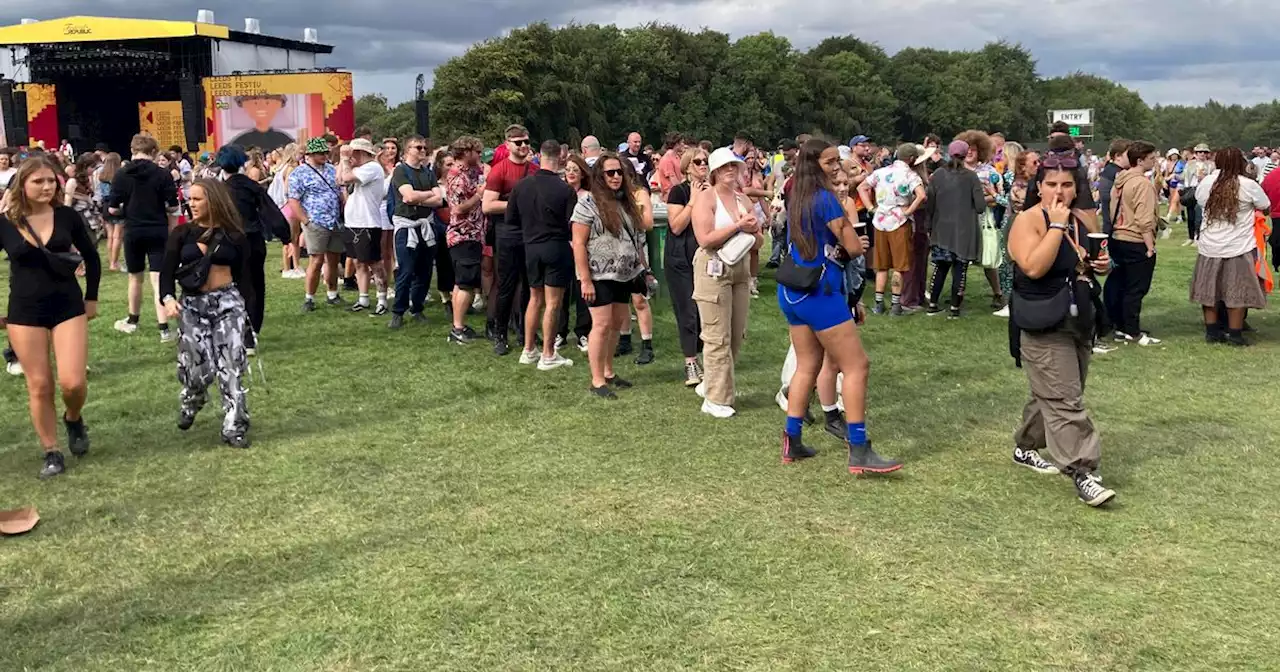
(508, 239)
(669, 166)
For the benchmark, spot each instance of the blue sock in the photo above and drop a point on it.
(794, 426)
(857, 433)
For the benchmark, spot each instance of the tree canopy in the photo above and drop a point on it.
(583, 79)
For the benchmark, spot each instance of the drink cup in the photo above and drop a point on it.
(1097, 244)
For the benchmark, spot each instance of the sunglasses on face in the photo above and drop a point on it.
(699, 162)
(420, 148)
(616, 172)
(1053, 160)
(523, 142)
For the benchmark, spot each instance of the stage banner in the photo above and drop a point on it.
(162, 119)
(42, 115)
(271, 111)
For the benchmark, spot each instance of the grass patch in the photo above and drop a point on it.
(409, 505)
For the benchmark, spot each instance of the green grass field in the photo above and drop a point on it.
(410, 505)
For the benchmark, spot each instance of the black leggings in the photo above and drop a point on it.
(959, 270)
(1193, 214)
(582, 312)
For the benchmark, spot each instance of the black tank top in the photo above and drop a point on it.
(1061, 272)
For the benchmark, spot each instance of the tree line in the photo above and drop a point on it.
(576, 80)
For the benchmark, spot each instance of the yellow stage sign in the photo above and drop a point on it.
(100, 28)
(163, 120)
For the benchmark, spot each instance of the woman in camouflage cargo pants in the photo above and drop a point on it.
(210, 257)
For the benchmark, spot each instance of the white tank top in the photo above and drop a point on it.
(724, 218)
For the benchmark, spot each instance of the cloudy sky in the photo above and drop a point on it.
(1170, 51)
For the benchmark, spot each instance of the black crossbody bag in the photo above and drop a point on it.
(63, 264)
(192, 276)
(1040, 316)
(793, 276)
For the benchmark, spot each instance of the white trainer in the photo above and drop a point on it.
(125, 326)
(715, 410)
(529, 356)
(556, 362)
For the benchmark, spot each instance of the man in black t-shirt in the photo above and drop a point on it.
(540, 207)
(417, 194)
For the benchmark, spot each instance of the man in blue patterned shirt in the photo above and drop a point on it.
(315, 200)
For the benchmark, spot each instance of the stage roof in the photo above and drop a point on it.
(105, 29)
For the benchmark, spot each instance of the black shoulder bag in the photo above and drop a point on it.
(63, 264)
(1040, 316)
(804, 279)
(192, 276)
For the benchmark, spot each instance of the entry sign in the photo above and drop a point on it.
(1074, 117)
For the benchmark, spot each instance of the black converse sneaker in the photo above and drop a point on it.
(1091, 490)
(1032, 460)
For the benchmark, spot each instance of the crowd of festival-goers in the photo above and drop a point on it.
(525, 233)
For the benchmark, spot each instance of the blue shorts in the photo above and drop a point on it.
(818, 311)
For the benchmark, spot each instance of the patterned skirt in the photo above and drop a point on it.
(1232, 281)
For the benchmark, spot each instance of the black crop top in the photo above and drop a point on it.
(183, 248)
(31, 276)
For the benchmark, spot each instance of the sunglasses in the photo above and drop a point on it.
(699, 162)
(523, 142)
(1054, 160)
(616, 172)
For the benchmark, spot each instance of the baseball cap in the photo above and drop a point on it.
(907, 152)
(958, 148)
(1202, 147)
(1173, 151)
(858, 140)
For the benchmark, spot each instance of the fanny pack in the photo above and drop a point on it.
(1042, 315)
(192, 276)
(805, 279)
(63, 264)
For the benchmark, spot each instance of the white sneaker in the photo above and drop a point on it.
(1148, 340)
(582, 343)
(167, 336)
(529, 357)
(15, 368)
(1101, 348)
(1186, 243)
(1003, 312)
(126, 327)
(556, 362)
(477, 303)
(715, 410)
(701, 389)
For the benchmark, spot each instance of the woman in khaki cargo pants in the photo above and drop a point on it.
(1052, 326)
(722, 290)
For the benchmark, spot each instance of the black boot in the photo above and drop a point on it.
(624, 346)
(1236, 337)
(1214, 333)
(862, 459)
(835, 424)
(793, 449)
(646, 353)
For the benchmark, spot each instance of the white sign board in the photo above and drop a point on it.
(1075, 117)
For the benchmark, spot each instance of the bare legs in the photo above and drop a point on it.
(70, 342)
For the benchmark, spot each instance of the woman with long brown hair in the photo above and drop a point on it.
(80, 195)
(606, 253)
(811, 294)
(209, 257)
(1225, 276)
(46, 242)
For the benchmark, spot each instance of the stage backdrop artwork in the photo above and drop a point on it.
(42, 115)
(163, 120)
(271, 111)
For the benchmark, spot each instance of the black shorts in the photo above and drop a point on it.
(366, 245)
(144, 249)
(466, 264)
(549, 264)
(609, 292)
(54, 307)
